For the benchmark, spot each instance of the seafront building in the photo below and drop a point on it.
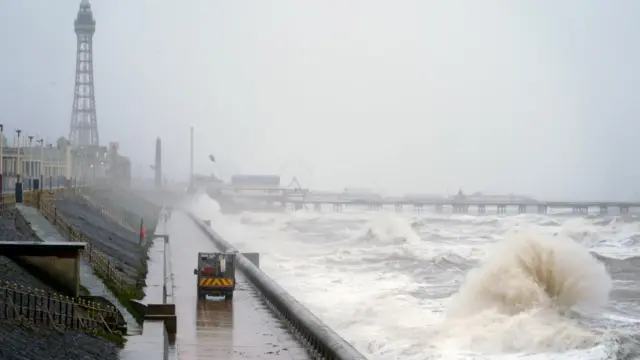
(53, 165)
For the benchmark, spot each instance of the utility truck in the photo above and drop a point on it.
(216, 275)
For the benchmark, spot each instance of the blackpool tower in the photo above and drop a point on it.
(84, 123)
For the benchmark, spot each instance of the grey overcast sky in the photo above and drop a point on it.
(533, 96)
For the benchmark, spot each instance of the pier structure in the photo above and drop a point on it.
(465, 207)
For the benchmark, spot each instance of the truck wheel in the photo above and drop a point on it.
(202, 296)
(228, 296)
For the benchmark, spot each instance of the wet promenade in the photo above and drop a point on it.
(154, 340)
(243, 328)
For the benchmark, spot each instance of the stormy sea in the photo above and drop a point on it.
(417, 286)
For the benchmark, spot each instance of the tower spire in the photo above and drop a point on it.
(84, 123)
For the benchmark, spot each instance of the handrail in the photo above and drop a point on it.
(38, 307)
(320, 338)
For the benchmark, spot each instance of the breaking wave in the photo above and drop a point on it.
(388, 228)
(518, 299)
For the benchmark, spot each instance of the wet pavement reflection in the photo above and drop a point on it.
(243, 328)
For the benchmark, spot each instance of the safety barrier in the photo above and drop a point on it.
(317, 336)
(36, 307)
(30, 197)
(7, 202)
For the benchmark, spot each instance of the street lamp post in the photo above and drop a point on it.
(19, 167)
(41, 142)
(19, 190)
(30, 166)
(50, 146)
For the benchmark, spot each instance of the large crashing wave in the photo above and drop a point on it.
(390, 228)
(516, 301)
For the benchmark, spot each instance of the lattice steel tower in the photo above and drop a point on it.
(84, 123)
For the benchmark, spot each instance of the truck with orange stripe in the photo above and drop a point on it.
(216, 275)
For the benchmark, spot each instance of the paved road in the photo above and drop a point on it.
(241, 329)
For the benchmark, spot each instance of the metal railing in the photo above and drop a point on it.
(36, 307)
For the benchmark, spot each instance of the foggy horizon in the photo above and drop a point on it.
(531, 97)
